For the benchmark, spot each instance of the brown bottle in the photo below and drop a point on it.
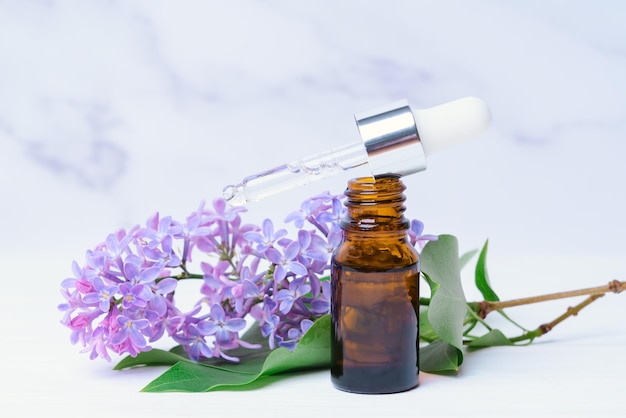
(375, 294)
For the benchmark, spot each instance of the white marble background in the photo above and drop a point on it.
(111, 110)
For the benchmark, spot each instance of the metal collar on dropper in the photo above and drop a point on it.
(391, 140)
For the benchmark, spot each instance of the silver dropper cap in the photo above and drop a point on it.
(391, 140)
(398, 141)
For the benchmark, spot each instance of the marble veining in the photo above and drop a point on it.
(112, 110)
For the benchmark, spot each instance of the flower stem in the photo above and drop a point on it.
(486, 307)
(182, 276)
(547, 327)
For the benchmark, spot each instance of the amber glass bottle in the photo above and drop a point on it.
(375, 296)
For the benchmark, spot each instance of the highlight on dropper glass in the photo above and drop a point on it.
(394, 141)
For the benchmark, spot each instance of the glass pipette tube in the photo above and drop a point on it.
(394, 141)
(295, 174)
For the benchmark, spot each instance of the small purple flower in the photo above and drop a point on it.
(322, 211)
(287, 297)
(267, 238)
(223, 212)
(216, 282)
(220, 326)
(130, 333)
(81, 325)
(312, 246)
(135, 273)
(170, 323)
(308, 209)
(136, 296)
(415, 234)
(159, 232)
(98, 344)
(194, 342)
(268, 321)
(295, 334)
(333, 216)
(164, 287)
(102, 295)
(335, 236)
(286, 263)
(246, 292)
(195, 231)
(321, 305)
(117, 244)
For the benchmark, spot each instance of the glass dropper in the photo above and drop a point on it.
(394, 141)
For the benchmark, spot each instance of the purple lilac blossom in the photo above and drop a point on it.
(267, 238)
(286, 262)
(416, 237)
(123, 297)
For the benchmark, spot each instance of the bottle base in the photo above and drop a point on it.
(374, 391)
(375, 380)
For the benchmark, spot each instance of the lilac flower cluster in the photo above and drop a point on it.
(122, 299)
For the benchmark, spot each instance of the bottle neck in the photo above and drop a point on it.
(375, 206)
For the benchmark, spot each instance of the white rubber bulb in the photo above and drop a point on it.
(451, 123)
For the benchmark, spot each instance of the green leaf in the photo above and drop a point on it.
(484, 285)
(491, 339)
(187, 376)
(312, 352)
(439, 357)
(427, 333)
(482, 277)
(154, 357)
(448, 306)
(465, 258)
